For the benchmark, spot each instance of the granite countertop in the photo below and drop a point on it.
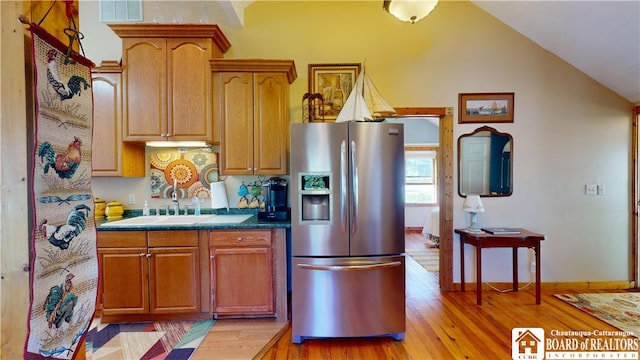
(251, 223)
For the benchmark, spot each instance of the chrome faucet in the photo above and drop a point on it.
(174, 198)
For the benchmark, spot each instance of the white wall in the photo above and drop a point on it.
(568, 129)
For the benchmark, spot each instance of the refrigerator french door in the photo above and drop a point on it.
(347, 230)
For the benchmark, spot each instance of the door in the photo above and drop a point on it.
(174, 280)
(376, 185)
(348, 297)
(475, 167)
(242, 280)
(319, 151)
(123, 281)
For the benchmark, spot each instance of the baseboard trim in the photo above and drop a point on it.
(579, 285)
(413, 229)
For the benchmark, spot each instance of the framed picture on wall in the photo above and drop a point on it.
(334, 82)
(485, 108)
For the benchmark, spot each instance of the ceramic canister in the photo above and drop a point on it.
(114, 210)
(99, 207)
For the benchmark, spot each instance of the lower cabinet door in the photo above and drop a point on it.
(174, 280)
(242, 280)
(123, 281)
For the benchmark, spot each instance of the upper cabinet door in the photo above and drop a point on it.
(236, 109)
(271, 124)
(145, 115)
(189, 89)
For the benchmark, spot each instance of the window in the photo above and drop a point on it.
(420, 175)
(120, 10)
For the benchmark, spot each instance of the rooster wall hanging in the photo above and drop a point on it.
(63, 262)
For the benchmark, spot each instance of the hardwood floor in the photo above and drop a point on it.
(448, 325)
(440, 325)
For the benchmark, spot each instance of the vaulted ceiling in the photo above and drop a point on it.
(600, 38)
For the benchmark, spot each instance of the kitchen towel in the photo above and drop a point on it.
(219, 198)
(64, 262)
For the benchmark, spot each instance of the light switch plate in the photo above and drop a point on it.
(601, 190)
(590, 189)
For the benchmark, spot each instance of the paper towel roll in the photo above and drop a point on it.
(219, 196)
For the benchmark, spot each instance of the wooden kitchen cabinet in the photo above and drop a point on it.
(242, 269)
(251, 105)
(148, 272)
(110, 156)
(166, 84)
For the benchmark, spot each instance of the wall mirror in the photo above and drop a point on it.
(485, 159)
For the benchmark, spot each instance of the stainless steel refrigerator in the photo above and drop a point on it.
(347, 230)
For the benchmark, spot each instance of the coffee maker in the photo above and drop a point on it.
(274, 191)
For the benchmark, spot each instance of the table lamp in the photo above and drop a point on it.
(473, 205)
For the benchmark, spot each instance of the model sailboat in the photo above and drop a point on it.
(365, 103)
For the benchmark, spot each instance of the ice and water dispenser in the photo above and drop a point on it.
(315, 196)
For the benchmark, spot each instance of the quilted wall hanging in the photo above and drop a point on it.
(64, 264)
(193, 170)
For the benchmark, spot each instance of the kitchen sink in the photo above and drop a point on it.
(226, 219)
(150, 221)
(158, 220)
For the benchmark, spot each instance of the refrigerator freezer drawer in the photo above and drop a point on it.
(348, 297)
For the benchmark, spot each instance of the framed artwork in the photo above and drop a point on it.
(334, 82)
(485, 108)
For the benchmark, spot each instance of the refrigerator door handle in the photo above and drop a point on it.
(354, 189)
(343, 186)
(367, 267)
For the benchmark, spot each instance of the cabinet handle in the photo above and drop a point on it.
(162, 135)
(248, 169)
(141, 254)
(168, 135)
(239, 238)
(148, 256)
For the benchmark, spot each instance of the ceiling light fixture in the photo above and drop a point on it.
(409, 10)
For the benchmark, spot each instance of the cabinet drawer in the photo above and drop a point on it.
(173, 238)
(109, 239)
(240, 238)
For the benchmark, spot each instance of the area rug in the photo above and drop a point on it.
(428, 258)
(621, 310)
(64, 263)
(175, 340)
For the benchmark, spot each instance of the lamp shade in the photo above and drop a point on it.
(409, 10)
(472, 203)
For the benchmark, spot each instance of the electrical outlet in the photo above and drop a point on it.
(532, 268)
(590, 189)
(132, 199)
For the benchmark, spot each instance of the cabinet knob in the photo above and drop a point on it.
(248, 169)
(162, 135)
(211, 257)
(142, 254)
(148, 255)
(239, 238)
(168, 135)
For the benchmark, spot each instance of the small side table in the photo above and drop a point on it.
(482, 240)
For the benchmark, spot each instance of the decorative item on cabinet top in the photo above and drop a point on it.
(194, 171)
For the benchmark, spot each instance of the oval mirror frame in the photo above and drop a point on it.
(485, 163)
